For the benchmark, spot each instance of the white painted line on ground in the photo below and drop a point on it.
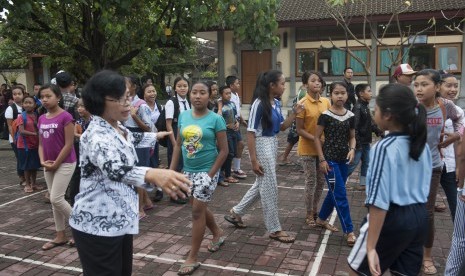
(281, 187)
(8, 187)
(322, 249)
(29, 261)
(24, 237)
(21, 198)
(137, 255)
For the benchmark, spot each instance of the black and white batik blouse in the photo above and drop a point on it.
(107, 203)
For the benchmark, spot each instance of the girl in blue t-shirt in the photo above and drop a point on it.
(398, 179)
(337, 124)
(265, 121)
(202, 141)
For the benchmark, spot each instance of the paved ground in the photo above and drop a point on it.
(164, 241)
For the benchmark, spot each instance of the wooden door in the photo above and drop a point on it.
(253, 63)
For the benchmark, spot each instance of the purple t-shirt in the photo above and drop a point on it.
(52, 133)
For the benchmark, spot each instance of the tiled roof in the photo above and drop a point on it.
(303, 10)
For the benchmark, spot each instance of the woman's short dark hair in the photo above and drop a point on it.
(104, 84)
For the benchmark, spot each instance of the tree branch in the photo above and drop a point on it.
(124, 60)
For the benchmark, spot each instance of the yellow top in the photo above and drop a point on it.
(312, 110)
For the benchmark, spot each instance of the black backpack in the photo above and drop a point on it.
(161, 121)
(5, 133)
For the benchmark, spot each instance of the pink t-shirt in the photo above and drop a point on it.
(52, 133)
(31, 141)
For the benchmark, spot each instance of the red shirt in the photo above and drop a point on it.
(31, 125)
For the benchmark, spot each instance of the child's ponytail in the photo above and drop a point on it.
(418, 132)
(399, 101)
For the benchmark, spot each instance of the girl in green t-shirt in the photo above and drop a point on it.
(202, 141)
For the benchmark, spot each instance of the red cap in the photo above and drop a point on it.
(403, 69)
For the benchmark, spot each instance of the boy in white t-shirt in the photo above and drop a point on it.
(234, 84)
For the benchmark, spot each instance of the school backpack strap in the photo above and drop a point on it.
(15, 110)
(139, 103)
(24, 115)
(176, 109)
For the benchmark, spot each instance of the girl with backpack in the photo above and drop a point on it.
(150, 96)
(11, 113)
(27, 143)
(174, 106)
(140, 121)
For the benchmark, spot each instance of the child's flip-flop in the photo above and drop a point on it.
(190, 268)
(215, 246)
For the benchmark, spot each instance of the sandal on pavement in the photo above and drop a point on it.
(222, 183)
(188, 269)
(440, 207)
(215, 246)
(231, 180)
(37, 188)
(240, 174)
(351, 239)
(326, 225)
(28, 189)
(51, 244)
(234, 219)
(71, 243)
(310, 222)
(282, 236)
(429, 269)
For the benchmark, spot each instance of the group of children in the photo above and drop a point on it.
(332, 141)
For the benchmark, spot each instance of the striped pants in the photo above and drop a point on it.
(457, 249)
(266, 186)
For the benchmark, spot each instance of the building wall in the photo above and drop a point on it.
(284, 61)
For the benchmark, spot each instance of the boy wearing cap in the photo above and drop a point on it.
(404, 74)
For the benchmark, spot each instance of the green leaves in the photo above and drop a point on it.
(91, 35)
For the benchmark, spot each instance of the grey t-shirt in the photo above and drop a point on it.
(434, 123)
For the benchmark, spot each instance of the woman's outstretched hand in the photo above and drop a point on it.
(175, 184)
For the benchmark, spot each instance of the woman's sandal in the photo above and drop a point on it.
(429, 269)
(326, 225)
(191, 268)
(235, 219)
(282, 236)
(351, 239)
(28, 189)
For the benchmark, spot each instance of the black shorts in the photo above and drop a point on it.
(292, 138)
(400, 243)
